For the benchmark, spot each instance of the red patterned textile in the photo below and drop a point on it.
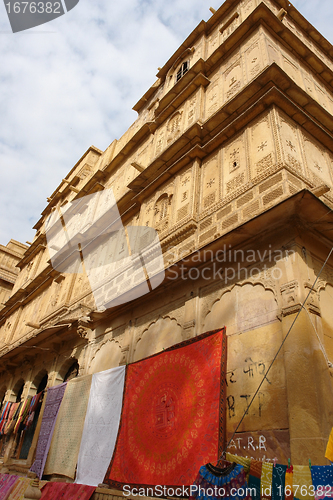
(66, 491)
(173, 417)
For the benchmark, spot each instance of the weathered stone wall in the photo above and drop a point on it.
(209, 153)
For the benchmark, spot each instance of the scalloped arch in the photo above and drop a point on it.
(242, 307)
(64, 368)
(37, 378)
(160, 334)
(107, 355)
(19, 385)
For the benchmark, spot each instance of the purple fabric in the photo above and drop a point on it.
(52, 405)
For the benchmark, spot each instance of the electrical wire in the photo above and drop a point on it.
(276, 355)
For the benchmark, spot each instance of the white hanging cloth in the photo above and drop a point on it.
(101, 425)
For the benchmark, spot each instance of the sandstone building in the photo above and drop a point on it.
(231, 161)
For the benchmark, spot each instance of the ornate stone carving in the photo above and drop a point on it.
(291, 302)
(264, 164)
(83, 331)
(213, 98)
(234, 183)
(313, 301)
(174, 126)
(191, 110)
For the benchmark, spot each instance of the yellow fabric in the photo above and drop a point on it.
(303, 480)
(329, 448)
(20, 486)
(266, 481)
(245, 462)
(289, 485)
(66, 440)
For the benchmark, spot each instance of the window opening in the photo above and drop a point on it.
(28, 434)
(72, 372)
(164, 208)
(19, 394)
(182, 70)
(2, 399)
(42, 383)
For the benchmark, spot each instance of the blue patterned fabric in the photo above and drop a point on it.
(278, 482)
(214, 483)
(322, 480)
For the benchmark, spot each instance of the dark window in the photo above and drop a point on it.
(182, 70)
(28, 434)
(42, 383)
(2, 400)
(72, 372)
(19, 394)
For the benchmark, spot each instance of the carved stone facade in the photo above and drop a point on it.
(10, 255)
(228, 144)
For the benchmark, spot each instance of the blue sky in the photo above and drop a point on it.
(72, 83)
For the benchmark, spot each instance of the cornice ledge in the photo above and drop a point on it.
(178, 236)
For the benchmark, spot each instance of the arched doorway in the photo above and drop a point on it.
(37, 387)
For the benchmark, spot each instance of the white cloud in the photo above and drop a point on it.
(72, 83)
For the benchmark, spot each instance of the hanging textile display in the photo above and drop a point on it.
(65, 444)
(173, 414)
(289, 483)
(53, 400)
(322, 480)
(302, 482)
(266, 481)
(245, 462)
(6, 485)
(31, 410)
(329, 447)
(101, 425)
(66, 491)
(19, 488)
(22, 414)
(278, 481)
(5, 416)
(213, 482)
(11, 418)
(254, 478)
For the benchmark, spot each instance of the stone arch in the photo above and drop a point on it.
(3, 391)
(18, 390)
(160, 334)
(242, 307)
(72, 372)
(108, 355)
(37, 380)
(38, 384)
(64, 369)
